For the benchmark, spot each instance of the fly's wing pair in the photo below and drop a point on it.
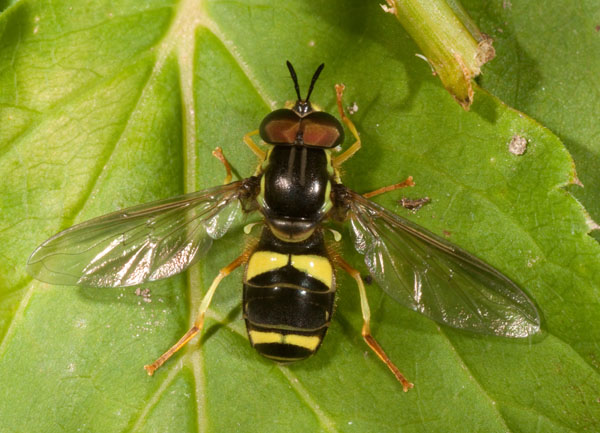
(430, 275)
(143, 243)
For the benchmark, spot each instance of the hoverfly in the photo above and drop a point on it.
(289, 280)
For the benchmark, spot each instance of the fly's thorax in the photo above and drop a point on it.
(289, 292)
(295, 190)
(297, 172)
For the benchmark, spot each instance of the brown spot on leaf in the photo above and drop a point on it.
(414, 203)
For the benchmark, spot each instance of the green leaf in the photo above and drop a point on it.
(106, 106)
(557, 84)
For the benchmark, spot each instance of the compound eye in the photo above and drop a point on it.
(280, 127)
(320, 129)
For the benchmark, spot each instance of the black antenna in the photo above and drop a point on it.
(314, 79)
(295, 78)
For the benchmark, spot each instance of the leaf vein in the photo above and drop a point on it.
(327, 423)
(139, 422)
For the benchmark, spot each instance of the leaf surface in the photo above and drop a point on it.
(104, 106)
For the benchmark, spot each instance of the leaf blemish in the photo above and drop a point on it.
(81, 323)
(414, 204)
(145, 294)
(517, 145)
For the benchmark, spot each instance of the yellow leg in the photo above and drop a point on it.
(366, 329)
(252, 145)
(384, 189)
(199, 322)
(348, 153)
(218, 153)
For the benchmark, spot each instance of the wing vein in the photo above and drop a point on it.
(426, 273)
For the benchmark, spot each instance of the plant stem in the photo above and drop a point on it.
(451, 42)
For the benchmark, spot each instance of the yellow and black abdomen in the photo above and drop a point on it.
(289, 293)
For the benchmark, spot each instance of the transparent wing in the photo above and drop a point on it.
(430, 275)
(143, 243)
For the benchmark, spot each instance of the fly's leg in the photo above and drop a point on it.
(218, 153)
(252, 145)
(199, 322)
(366, 329)
(348, 153)
(408, 182)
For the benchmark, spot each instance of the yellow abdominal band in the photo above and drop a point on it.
(307, 342)
(315, 266)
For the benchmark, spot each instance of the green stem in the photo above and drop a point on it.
(452, 44)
